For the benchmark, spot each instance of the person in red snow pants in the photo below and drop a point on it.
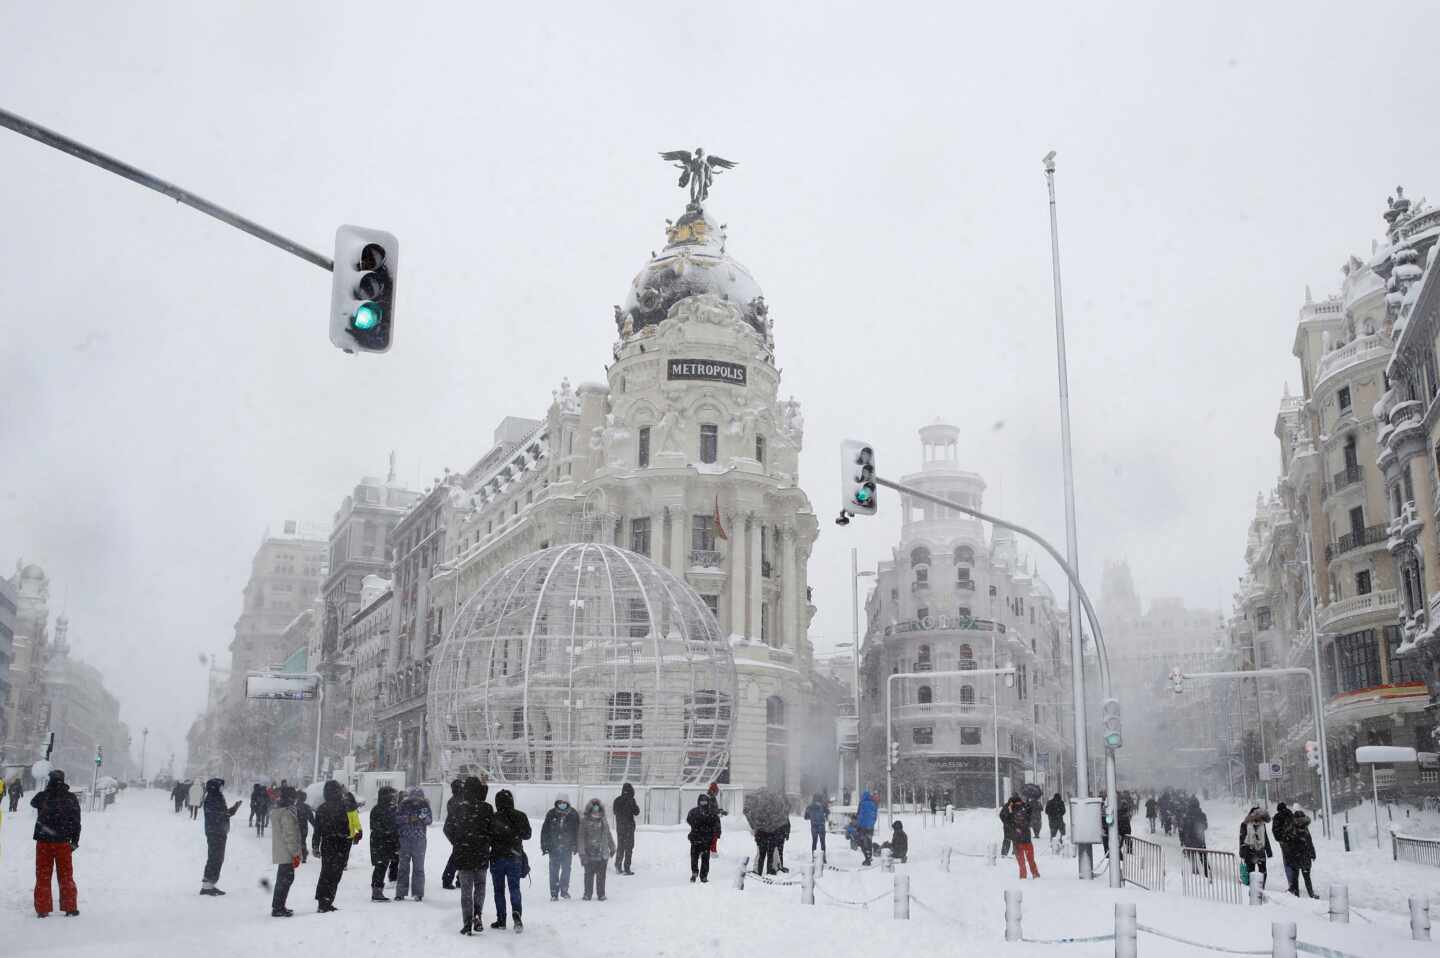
(1015, 818)
(52, 857)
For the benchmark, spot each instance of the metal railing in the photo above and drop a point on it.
(1212, 875)
(1142, 863)
(1421, 851)
(1368, 536)
(705, 558)
(1346, 477)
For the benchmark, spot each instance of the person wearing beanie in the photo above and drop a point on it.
(559, 837)
(596, 845)
(331, 841)
(384, 841)
(508, 863)
(217, 833)
(57, 836)
(285, 847)
(626, 809)
(447, 877)
(469, 830)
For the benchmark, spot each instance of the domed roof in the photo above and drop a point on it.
(32, 571)
(693, 261)
(584, 663)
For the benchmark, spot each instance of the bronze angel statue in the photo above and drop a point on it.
(697, 171)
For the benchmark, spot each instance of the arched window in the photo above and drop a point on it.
(964, 555)
(923, 695)
(967, 657)
(922, 659)
(967, 696)
(775, 731)
(919, 556)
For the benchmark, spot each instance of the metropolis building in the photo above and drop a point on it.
(686, 454)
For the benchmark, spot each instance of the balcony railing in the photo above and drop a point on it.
(1358, 350)
(705, 558)
(1381, 601)
(1348, 476)
(1369, 536)
(968, 585)
(920, 587)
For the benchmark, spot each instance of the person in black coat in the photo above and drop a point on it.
(1255, 843)
(509, 830)
(305, 817)
(447, 877)
(217, 833)
(899, 843)
(559, 838)
(1298, 850)
(1055, 813)
(704, 822)
(331, 841)
(469, 830)
(260, 808)
(625, 808)
(57, 835)
(1015, 819)
(384, 841)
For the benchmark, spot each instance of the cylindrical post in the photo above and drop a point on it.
(1257, 894)
(1375, 803)
(945, 854)
(855, 648)
(991, 851)
(1282, 939)
(887, 860)
(740, 871)
(1340, 904)
(902, 896)
(1420, 919)
(807, 885)
(1012, 915)
(1345, 833)
(1126, 929)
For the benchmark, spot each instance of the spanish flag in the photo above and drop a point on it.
(719, 529)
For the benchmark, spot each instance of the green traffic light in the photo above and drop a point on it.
(863, 496)
(366, 317)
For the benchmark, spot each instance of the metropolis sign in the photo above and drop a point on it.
(709, 369)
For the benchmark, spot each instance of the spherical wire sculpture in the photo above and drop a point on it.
(584, 663)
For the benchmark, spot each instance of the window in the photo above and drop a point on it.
(709, 443)
(969, 735)
(967, 657)
(1362, 582)
(712, 602)
(1263, 619)
(702, 533)
(765, 622)
(1403, 669)
(639, 618)
(624, 722)
(1343, 398)
(760, 449)
(517, 723)
(707, 717)
(922, 659)
(967, 695)
(642, 457)
(765, 552)
(919, 556)
(1359, 660)
(923, 735)
(640, 535)
(775, 731)
(964, 555)
(924, 695)
(922, 576)
(962, 574)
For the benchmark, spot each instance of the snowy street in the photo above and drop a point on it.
(138, 872)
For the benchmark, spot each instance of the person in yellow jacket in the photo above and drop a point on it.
(352, 815)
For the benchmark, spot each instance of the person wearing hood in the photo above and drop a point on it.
(331, 841)
(305, 818)
(1255, 843)
(509, 830)
(626, 809)
(260, 805)
(57, 835)
(15, 790)
(596, 845)
(1055, 813)
(177, 795)
(559, 837)
(285, 847)
(196, 798)
(352, 818)
(384, 841)
(865, 818)
(1015, 818)
(412, 817)
(447, 877)
(217, 833)
(704, 822)
(1297, 849)
(469, 829)
(817, 813)
(899, 843)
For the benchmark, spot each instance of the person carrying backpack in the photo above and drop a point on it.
(412, 818)
(1298, 850)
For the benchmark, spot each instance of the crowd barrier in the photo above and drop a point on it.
(1143, 864)
(1421, 851)
(1212, 875)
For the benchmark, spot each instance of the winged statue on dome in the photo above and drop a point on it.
(697, 171)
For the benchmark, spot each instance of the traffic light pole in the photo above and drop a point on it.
(1316, 705)
(120, 168)
(1081, 773)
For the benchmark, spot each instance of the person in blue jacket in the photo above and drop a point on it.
(865, 824)
(816, 813)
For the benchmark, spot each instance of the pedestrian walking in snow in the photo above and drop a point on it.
(1015, 819)
(817, 813)
(331, 842)
(384, 841)
(217, 833)
(412, 818)
(286, 845)
(704, 822)
(1055, 813)
(1255, 844)
(714, 792)
(196, 798)
(177, 795)
(447, 877)
(626, 809)
(866, 815)
(559, 836)
(15, 790)
(469, 830)
(260, 808)
(1152, 810)
(899, 843)
(509, 830)
(768, 815)
(596, 845)
(305, 818)
(57, 836)
(1298, 850)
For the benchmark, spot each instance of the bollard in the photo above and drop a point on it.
(945, 854)
(1125, 930)
(1340, 904)
(807, 886)
(1256, 891)
(1012, 915)
(1420, 919)
(1345, 831)
(740, 872)
(1394, 848)
(887, 860)
(902, 896)
(991, 852)
(1282, 939)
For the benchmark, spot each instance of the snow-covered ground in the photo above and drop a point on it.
(139, 865)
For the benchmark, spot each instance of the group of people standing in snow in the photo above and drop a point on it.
(1297, 847)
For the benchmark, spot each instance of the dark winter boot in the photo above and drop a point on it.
(515, 920)
(465, 928)
(377, 894)
(498, 923)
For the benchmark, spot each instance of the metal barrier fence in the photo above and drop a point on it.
(1143, 864)
(1421, 851)
(1211, 874)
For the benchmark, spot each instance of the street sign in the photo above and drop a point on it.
(1271, 771)
(285, 686)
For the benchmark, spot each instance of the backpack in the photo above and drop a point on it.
(1255, 836)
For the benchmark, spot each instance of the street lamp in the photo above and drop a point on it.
(855, 575)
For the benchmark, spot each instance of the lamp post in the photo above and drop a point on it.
(144, 738)
(995, 699)
(855, 575)
(1320, 723)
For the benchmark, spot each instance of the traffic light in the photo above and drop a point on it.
(1312, 755)
(857, 478)
(1177, 681)
(362, 297)
(1110, 712)
(894, 753)
(99, 754)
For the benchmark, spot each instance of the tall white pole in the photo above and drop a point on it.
(1072, 552)
(855, 648)
(995, 699)
(1319, 701)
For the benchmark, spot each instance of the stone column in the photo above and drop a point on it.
(735, 580)
(679, 544)
(757, 591)
(789, 591)
(657, 537)
(1424, 497)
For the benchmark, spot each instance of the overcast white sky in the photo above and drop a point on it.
(166, 384)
